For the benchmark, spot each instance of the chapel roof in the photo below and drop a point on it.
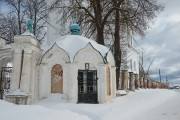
(72, 44)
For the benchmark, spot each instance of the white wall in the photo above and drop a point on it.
(2, 42)
(70, 73)
(110, 58)
(91, 56)
(27, 79)
(133, 60)
(50, 58)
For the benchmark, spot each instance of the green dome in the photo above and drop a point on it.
(75, 28)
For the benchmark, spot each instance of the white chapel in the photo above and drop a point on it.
(75, 67)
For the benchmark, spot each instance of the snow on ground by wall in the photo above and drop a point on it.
(138, 105)
(17, 92)
(121, 92)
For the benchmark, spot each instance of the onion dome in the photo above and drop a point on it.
(75, 28)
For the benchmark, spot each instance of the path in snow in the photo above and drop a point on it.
(147, 104)
(169, 110)
(140, 105)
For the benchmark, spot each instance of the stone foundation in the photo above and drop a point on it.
(17, 99)
(131, 81)
(145, 82)
(141, 82)
(137, 82)
(149, 83)
(124, 77)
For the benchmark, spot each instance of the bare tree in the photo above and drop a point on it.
(134, 17)
(99, 14)
(117, 50)
(100, 18)
(17, 7)
(19, 11)
(37, 10)
(141, 63)
(144, 64)
(8, 28)
(150, 62)
(93, 14)
(105, 18)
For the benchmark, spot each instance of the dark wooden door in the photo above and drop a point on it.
(87, 86)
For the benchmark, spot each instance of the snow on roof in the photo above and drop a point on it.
(74, 43)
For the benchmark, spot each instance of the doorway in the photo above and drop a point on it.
(87, 86)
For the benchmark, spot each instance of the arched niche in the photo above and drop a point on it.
(57, 79)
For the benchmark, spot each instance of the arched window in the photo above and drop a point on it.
(57, 79)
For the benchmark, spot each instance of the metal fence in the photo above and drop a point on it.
(5, 80)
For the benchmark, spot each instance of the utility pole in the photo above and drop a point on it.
(160, 75)
(167, 83)
(166, 79)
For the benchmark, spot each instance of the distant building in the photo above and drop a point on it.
(130, 62)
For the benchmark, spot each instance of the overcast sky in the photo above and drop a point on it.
(162, 42)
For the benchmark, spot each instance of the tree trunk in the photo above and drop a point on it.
(19, 17)
(100, 36)
(117, 50)
(35, 23)
(98, 21)
(35, 17)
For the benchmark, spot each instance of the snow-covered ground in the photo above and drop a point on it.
(139, 105)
